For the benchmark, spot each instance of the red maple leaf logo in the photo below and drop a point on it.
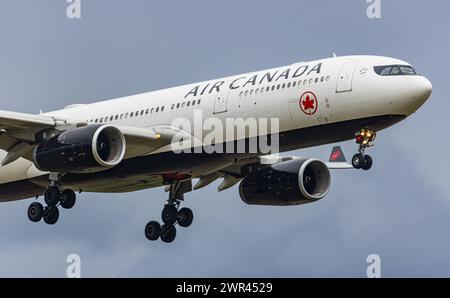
(335, 155)
(308, 104)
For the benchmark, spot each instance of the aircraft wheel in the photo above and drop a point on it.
(357, 161)
(35, 212)
(68, 199)
(52, 196)
(169, 232)
(153, 231)
(51, 215)
(169, 214)
(367, 165)
(185, 217)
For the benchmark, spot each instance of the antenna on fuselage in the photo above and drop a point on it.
(334, 55)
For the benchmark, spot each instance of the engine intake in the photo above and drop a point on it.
(92, 148)
(293, 182)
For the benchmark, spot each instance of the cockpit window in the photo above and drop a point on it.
(395, 70)
(385, 71)
(407, 70)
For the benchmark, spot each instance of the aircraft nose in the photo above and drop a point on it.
(421, 89)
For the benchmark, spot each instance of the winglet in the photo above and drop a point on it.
(337, 155)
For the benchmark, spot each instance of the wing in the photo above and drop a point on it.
(14, 120)
(143, 141)
(233, 174)
(18, 131)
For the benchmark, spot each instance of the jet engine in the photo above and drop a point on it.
(293, 182)
(91, 148)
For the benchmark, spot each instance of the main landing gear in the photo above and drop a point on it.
(53, 198)
(364, 138)
(171, 215)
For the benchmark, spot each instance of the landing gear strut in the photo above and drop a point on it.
(364, 138)
(171, 214)
(53, 198)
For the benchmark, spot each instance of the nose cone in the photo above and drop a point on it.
(420, 88)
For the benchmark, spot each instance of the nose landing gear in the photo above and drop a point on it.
(365, 139)
(171, 215)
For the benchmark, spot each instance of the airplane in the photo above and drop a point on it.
(126, 144)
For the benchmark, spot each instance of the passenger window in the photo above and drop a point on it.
(294, 84)
(131, 114)
(157, 109)
(316, 80)
(283, 86)
(246, 93)
(267, 89)
(111, 119)
(188, 104)
(289, 85)
(278, 87)
(147, 111)
(126, 116)
(121, 116)
(198, 101)
(162, 108)
(178, 105)
(241, 93)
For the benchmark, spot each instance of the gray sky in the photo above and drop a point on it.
(399, 210)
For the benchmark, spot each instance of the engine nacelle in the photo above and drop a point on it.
(293, 182)
(91, 148)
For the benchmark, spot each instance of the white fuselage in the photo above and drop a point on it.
(345, 88)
